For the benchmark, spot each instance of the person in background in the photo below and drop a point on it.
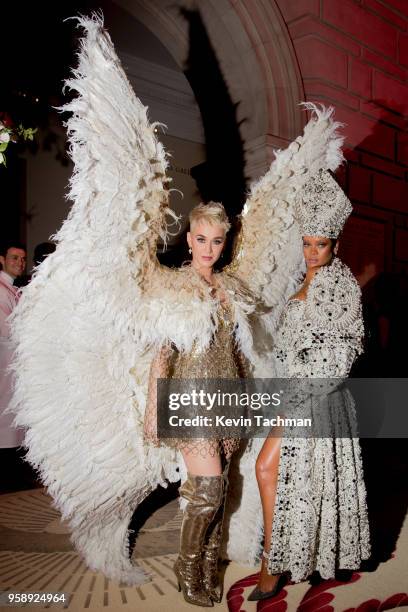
(13, 262)
(41, 251)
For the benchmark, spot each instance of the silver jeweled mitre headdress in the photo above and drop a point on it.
(322, 207)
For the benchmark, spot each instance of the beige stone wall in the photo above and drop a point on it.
(184, 155)
(257, 59)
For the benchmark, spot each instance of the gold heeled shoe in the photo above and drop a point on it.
(211, 579)
(204, 494)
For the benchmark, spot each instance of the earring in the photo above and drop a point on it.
(190, 251)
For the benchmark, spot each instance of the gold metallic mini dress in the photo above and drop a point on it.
(221, 359)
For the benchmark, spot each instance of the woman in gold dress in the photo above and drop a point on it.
(206, 459)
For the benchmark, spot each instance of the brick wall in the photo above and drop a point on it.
(354, 55)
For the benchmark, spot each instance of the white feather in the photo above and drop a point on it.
(87, 325)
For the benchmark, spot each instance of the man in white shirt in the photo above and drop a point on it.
(13, 262)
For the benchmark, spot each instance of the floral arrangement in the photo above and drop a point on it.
(11, 133)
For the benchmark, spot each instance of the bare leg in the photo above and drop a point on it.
(267, 469)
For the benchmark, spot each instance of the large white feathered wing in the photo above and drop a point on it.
(269, 259)
(268, 255)
(81, 327)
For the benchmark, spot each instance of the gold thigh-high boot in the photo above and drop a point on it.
(212, 544)
(204, 494)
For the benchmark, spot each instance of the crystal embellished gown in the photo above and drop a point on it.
(221, 359)
(320, 520)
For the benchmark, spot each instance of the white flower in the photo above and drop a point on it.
(2, 159)
(4, 135)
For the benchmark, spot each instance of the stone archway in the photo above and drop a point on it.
(257, 59)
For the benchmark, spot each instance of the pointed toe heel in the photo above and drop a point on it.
(258, 595)
(189, 582)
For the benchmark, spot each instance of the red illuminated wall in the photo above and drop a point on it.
(355, 56)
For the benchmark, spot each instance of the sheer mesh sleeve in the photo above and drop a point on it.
(159, 368)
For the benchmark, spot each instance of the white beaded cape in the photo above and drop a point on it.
(320, 519)
(97, 308)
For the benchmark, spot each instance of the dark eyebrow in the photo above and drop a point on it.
(216, 237)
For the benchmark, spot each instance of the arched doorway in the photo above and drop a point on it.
(257, 60)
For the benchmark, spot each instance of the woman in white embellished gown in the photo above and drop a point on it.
(312, 488)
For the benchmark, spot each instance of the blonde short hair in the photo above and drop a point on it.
(212, 213)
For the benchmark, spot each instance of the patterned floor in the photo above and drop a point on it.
(36, 555)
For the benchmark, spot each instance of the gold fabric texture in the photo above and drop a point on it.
(221, 359)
